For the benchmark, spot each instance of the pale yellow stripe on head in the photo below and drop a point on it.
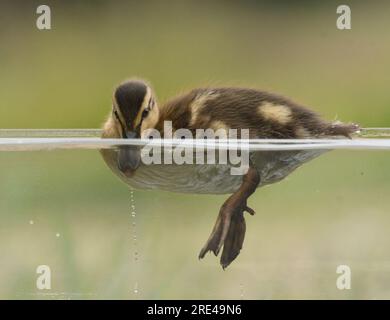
(147, 97)
(275, 112)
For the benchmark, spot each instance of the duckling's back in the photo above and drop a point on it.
(266, 115)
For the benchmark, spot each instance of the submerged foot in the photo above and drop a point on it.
(228, 232)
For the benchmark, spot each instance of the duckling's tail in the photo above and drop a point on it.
(338, 128)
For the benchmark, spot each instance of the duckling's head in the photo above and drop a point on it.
(134, 109)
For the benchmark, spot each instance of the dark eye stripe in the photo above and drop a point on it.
(147, 109)
(145, 113)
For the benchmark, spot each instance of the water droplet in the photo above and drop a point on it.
(57, 235)
(134, 236)
(31, 222)
(241, 291)
(135, 288)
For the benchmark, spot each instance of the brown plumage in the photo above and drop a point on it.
(238, 108)
(265, 115)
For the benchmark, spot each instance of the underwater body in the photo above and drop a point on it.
(272, 166)
(331, 200)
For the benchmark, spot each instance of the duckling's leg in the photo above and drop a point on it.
(229, 229)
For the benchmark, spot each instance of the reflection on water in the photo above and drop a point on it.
(217, 178)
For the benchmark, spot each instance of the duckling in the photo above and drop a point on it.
(266, 115)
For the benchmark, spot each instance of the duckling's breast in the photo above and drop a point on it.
(272, 166)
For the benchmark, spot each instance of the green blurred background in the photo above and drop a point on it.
(66, 210)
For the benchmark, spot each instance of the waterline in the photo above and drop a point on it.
(51, 139)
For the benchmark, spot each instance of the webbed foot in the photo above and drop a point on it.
(228, 231)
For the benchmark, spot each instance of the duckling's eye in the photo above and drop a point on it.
(145, 113)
